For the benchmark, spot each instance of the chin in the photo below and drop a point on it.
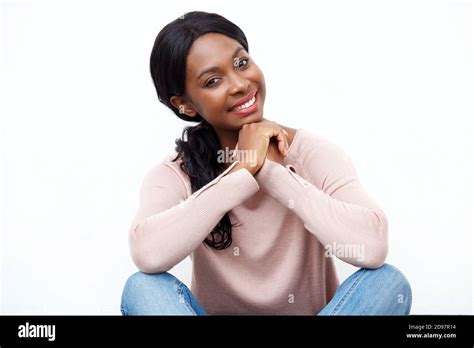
(258, 117)
(253, 118)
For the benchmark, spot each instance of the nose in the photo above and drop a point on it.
(239, 84)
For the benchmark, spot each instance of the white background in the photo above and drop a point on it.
(391, 82)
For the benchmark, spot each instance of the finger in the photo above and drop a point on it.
(285, 137)
(282, 141)
(286, 142)
(286, 146)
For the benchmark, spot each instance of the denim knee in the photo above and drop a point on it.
(138, 279)
(399, 286)
(140, 285)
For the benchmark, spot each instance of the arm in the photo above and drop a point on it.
(165, 231)
(340, 212)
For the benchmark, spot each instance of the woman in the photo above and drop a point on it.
(260, 230)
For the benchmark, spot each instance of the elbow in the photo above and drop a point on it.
(377, 254)
(145, 259)
(146, 265)
(381, 224)
(377, 250)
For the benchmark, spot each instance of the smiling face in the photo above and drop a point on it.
(220, 75)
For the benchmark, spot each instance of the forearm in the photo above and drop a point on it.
(332, 221)
(160, 241)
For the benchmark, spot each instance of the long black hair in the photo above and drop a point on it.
(199, 145)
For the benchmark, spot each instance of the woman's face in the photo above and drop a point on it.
(219, 75)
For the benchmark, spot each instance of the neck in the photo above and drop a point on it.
(228, 139)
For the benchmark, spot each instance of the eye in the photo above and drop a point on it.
(243, 60)
(209, 84)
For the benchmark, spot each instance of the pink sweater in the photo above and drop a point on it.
(277, 263)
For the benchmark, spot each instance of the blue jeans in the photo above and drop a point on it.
(381, 291)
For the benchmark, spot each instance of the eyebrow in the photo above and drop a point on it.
(215, 68)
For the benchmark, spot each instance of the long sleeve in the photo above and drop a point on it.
(168, 227)
(331, 202)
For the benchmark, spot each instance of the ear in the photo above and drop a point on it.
(183, 106)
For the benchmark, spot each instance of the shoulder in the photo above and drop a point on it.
(168, 173)
(304, 142)
(315, 144)
(320, 157)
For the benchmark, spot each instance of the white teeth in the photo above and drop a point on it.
(246, 105)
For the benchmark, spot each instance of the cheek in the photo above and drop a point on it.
(260, 78)
(217, 99)
(213, 101)
(258, 74)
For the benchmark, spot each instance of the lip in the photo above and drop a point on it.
(244, 99)
(248, 111)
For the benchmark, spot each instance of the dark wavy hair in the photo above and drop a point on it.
(199, 144)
